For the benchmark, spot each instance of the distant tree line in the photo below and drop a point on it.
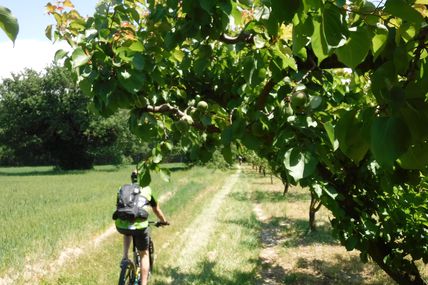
(46, 120)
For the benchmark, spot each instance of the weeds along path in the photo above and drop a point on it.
(32, 273)
(198, 233)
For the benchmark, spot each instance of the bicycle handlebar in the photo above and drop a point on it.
(159, 223)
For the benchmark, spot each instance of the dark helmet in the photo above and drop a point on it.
(134, 176)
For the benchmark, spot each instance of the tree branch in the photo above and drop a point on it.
(242, 37)
(164, 108)
(168, 109)
(261, 100)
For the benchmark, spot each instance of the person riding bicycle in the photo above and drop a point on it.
(138, 229)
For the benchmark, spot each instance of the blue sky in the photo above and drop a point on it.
(32, 48)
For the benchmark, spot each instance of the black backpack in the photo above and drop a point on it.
(130, 203)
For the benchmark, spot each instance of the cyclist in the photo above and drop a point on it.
(139, 231)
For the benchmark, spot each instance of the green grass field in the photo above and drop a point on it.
(44, 210)
(225, 229)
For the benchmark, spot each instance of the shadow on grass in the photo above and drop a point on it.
(306, 271)
(41, 172)
(206, 275)
(258, 196)
(295, 232)
(321, 272)
(292, 232)
(272, 196)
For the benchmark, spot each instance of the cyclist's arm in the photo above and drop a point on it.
(157, 210)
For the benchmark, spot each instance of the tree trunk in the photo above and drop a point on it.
(315, 205)
(271, 179)
(285, 186)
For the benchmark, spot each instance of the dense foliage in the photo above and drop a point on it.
(270, 75)
(44, 119)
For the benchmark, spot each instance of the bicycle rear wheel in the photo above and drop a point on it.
(151, 255)
(127, 274)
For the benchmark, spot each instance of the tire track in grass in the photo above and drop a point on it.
(32, 273)
(270, 274)
(197, 235)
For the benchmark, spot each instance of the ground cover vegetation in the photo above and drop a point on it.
(269, 75)
(48, 212)
(257, 236)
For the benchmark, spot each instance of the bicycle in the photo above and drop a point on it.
(130, 270)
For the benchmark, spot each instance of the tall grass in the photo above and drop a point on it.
(43, 210)
(101, 265)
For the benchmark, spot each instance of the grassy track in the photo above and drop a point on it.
(226, 229)
(228, 255)
(44, 211)
(101, 265)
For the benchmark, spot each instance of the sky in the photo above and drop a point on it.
(32, 49)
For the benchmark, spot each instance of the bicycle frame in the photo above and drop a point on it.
(131, 273)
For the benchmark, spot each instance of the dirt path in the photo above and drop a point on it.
(270, 273)
(197, 235)
(32, 273)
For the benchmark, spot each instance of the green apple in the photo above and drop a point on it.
(202, 106)
(298, 100)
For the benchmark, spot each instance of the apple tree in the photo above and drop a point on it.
(333, 94)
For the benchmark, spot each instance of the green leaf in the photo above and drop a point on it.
(379, 42)
(79, 57)
(383, 79)
(351, 134)
(207, 5)
(132, 81)
(227, 153)
(300, 164)
(416, 157)
(416, 118)
(60, 54)
(139, 62)
(8, 23)
(157, 158)
(401, 9)
(390, 138)
(318, 42)
(227, 135)
(356, 49)
(401, 60)
(302, 32)
(259, 41)
(145, 177)
(334, 26)
(284, 10)
(137, 47)
(48, 32)
(330, 133)
(351, 243)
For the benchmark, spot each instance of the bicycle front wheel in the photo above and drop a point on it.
(127, 274)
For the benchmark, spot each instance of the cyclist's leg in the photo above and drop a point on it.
(145, 265)
(142, 244)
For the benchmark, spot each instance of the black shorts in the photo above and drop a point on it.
(141, 237)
